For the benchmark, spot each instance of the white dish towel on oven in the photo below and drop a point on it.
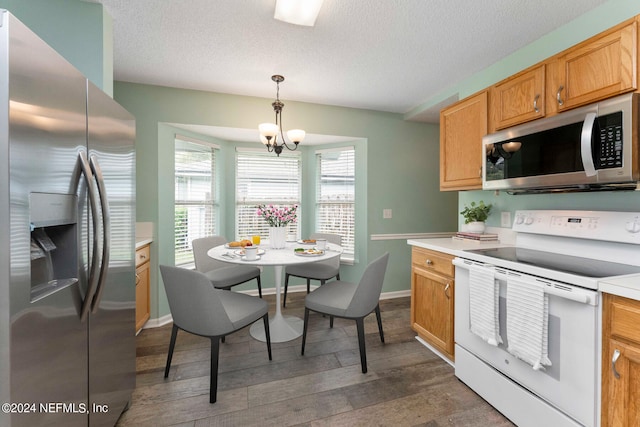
(483, 304)
(528, 321)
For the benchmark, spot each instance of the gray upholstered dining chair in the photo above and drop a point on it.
(222, 275)
(350, 301)
(200, 309)
(321, 270)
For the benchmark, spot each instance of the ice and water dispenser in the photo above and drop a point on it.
(54, 242)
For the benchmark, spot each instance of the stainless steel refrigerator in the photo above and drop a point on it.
(67, 212)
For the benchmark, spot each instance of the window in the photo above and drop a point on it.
(196, 195)
(335, 195)
(264, 178)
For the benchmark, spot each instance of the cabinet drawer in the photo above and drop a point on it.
(142, 255)
(432, 260)
(625, 318)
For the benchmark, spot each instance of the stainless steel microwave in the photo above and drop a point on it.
(589, 148)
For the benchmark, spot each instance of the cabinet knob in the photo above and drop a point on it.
(558, 97)
(535, 103)
(137, 278)
(446, 290)
(428, 262)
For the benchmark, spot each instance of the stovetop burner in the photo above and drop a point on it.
(585, 267)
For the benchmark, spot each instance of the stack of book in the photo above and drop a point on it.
(476, 237)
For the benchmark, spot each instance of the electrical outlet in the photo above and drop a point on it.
(387, 213)
(505, 219)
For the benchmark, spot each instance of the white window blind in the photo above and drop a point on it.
(196, 195)
(264, 178)
(335, 196)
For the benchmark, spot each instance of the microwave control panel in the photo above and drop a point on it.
(609, 152)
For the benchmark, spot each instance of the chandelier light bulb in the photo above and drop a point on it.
(296, 135)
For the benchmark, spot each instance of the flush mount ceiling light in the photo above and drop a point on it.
(299, 12)
(269, 131)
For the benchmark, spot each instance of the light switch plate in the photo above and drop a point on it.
(387, 213)
(505, 219)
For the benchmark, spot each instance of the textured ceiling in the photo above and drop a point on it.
(387, 55)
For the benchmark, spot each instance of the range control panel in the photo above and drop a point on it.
(621, 227)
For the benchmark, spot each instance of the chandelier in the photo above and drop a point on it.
(269, 131)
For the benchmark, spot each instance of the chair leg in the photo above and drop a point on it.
(286, 286)
(338, 276)
(259, 286)
(331, 321)
(379, 322)
(361, 344)
(308, 285)
(213, 382)
(304, 328)
(172, 344)
(267, 334)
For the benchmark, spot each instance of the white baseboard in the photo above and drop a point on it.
(156, 323)
(161, 321)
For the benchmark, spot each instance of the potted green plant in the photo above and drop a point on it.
(475, 215)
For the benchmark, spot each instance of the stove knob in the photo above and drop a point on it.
(528, 221)
(633, 226)
(519, 219)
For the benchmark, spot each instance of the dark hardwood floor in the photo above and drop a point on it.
(406, 384)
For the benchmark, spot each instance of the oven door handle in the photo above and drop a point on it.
(586, 151)
(581, 298)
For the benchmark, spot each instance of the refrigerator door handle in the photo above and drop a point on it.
(106, 230)
(85, 170)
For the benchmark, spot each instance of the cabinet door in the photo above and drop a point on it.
(432, 309)
(143, 305)
(602, 67)
(623, 392)
(462, 127)
(518, 99)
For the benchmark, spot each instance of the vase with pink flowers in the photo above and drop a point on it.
(278, 217)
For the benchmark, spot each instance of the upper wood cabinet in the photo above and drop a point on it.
(462, 126)
(518, 99)
(598, 68)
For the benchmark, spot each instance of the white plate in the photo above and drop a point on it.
(306, 254)
(241, 252)
(302, 242)
(244, 258)
(226, 245)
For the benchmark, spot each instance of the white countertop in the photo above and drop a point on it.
(454, 247)
(142, 241)
(625, 286)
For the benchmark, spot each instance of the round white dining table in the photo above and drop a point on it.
(282, 328)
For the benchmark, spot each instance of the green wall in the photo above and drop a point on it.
(80, 31)
(401, 169)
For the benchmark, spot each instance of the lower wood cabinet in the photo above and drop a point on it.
(143, 303)
(620, 362)
(432, 299)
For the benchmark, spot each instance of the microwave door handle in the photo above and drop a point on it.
(585, 144)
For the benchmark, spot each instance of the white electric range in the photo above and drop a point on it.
(566, 254)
